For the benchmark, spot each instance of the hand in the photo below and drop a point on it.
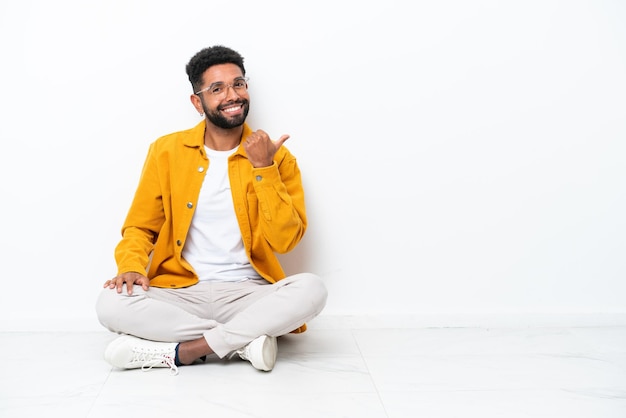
(261, 149)
(130, 279)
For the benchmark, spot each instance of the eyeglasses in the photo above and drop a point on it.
(217, 89)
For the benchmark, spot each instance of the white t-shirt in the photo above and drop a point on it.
(214, 247)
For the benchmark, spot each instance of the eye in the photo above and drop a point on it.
(239, 84)
(217, 88)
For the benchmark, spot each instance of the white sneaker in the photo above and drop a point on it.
(128, 352)
(261, 352)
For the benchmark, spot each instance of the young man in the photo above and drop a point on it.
(197, 266)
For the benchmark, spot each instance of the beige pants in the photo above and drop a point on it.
(227, 315)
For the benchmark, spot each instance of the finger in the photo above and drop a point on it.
(145, 283)
(119, 283)
(281, 141)
(129, 286)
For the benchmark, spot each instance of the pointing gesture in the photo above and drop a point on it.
(261, 149)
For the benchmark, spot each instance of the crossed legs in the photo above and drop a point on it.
(213, 317)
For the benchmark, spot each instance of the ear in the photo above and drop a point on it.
(197, 103)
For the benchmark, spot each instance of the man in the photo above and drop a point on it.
(197, 266)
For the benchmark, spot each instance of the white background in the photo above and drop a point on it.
(459, 157)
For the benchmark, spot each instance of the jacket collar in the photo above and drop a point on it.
(195, 138)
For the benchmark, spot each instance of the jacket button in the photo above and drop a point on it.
(189, 205)
(179, 242)
(259, 178)
(200, 169)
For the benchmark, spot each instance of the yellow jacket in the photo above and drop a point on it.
(268, 201)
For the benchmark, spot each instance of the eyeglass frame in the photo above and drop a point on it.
(226, 86)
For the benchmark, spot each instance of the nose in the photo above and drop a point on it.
(230, 90)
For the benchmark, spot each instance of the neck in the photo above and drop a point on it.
(220, 139)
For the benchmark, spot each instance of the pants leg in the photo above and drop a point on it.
(267, 309)
(166, 315)
(228, 315)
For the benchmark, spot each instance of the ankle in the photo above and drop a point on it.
(182, 356)
(190, 351)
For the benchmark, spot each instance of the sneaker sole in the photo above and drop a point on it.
(270, 349)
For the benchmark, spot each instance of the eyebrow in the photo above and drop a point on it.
(223, 82)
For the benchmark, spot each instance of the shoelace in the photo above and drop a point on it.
(151, 359)
(160, 360)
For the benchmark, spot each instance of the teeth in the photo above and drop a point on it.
(232, 109)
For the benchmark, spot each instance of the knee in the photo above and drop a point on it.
(314, 289)
(105, 308)
(111, 306)
(320, 291)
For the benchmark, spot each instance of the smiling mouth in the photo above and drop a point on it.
(232, 108)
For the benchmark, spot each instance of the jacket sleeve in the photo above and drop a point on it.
(143, 221)
(282, 214)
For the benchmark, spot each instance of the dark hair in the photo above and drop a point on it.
(209, 57)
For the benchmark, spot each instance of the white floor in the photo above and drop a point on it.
(332, 372)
